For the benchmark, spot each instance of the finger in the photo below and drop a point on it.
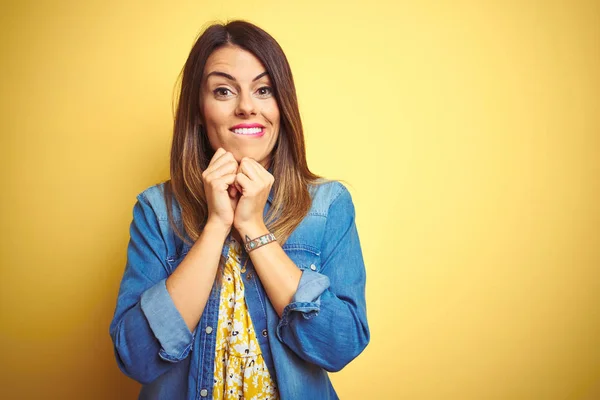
(263, 177)
(227, 167)
(236, 183)
(245, 182)
(262, 171)
(225, 161)
(256, 164)
(224, 158)
(238, 186)
(224, 182)
(250, 170)
(220, 151)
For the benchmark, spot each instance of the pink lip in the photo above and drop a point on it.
(238, 126)
(241, 126)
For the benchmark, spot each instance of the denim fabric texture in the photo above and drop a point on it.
(322, 329)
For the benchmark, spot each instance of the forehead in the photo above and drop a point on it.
(235, 61)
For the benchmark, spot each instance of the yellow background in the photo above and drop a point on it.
(469, 132)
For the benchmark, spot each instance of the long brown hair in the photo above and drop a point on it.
(191, 151)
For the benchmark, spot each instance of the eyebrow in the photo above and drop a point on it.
(231, 78)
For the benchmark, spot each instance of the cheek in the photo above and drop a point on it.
(215, 119)
(273, 114)
(215, 143)
(211, 131)
(211, 113)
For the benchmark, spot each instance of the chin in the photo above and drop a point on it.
(239, 153)
(254, 157)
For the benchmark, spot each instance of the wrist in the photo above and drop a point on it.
(252, 231)
(259, 241)
(217, 228)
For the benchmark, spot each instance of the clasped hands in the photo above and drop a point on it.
(236, 193)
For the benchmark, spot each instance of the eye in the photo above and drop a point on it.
(222, 92)
(265, 91)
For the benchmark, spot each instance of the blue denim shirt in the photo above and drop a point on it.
(322, 329)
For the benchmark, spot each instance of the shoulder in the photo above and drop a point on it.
(327, 195)
(154, 197)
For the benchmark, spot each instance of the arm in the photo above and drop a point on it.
(155, 316)
(326, 322)
(149, 333)
(277, 272)
(192, 281)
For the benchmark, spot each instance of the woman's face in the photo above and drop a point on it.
(239, 107)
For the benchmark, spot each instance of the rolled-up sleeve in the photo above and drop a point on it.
(326, 322)
(166, 323)
(147, 330)
(307, 299)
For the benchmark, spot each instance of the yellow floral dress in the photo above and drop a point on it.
(240, 370)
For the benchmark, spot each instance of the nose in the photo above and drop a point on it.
(246, 105)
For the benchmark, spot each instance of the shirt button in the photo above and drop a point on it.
(204, 393)
(265, 333)
(208, 329)
(249, 276)
(313, 267)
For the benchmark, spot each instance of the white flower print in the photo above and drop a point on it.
(240, 371)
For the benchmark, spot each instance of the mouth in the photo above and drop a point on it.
(251, 132)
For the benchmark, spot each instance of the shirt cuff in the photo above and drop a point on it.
(307, 299)
(166, 323)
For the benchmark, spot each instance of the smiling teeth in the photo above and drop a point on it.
(247, 131)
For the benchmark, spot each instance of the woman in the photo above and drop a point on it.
(244, 276)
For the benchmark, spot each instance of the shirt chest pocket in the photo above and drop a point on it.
(304, 256)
